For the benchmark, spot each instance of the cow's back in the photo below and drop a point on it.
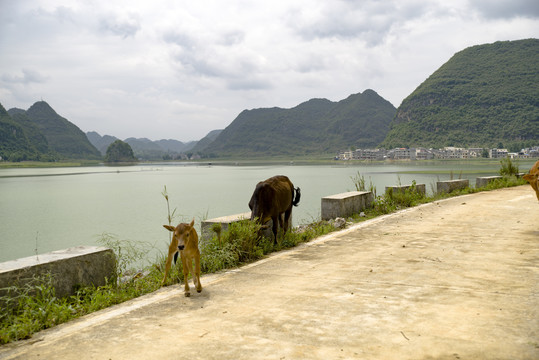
(282, 192)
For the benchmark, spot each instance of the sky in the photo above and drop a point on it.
(175, 69)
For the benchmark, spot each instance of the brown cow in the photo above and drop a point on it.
(272, 198)
(533, 178)
(185, 240)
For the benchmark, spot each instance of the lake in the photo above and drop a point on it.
(45, 209)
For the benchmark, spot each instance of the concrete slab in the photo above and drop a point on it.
(224, 221)
(345, 204)
(70, 268)
(455, 279)
(420, 188)
(484, 180)
(451, 185)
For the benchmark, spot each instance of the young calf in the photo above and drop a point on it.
(185, 240)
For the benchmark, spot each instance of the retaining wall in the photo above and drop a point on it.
(402, 188)
(225, 221)
(70, 269)
(483, 181)
(345, 204)
(451, 185)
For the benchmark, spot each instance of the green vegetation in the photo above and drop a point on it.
(484, 96)
(508, 168)
(63, 137)
(120, 152)
(26, 310)
(14, 144)
(317, 126)
(40, 134)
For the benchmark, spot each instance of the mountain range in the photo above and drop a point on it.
(143, 148)
(317, 126)
(483, 96)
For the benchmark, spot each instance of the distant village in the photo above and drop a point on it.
(428, 154)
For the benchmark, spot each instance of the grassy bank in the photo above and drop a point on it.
(33, 307)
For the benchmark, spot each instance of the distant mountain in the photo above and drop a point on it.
(63, 137)
(14, 143)
(318, 126)
(101, 143)
(39, 133)
(143, 148)
(175, 146)
(33, 133)
(203, 143)
(484, 96)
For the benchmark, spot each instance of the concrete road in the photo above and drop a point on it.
(455, 279)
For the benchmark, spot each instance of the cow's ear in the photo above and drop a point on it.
(169, 228)
(528, 177)
(192, 222)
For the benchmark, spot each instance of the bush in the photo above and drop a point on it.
(508, 168)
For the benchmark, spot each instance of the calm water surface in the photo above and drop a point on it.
(55, 208)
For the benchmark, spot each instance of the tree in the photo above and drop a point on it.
(119, 151)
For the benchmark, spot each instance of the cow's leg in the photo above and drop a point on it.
(275, 227)
(280, 222)
(196, 275)
(287, 215)
(172, 248)
(187, 291)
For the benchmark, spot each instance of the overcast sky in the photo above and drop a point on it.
(179, 69)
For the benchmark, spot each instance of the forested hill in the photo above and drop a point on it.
(63, 136)
(318, 126)
(14, 143)
(41, 134)
(485, 95)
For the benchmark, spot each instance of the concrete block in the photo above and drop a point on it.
(70, 269)
(345, 204)
(484, 180)
(402, 188)
(451, 185)
(224, 221)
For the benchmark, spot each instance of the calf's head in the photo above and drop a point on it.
(533, 179)
(181, 233)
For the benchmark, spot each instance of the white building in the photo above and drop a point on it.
(497, 153)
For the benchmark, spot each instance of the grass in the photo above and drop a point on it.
(34, 306)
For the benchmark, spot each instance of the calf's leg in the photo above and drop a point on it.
(187, 291)
(196, 275)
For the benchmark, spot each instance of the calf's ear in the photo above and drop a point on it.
(169, 228)
(192, 222)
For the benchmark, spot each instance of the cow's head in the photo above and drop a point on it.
(181, 233)
(261, 199)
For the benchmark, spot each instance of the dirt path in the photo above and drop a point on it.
(455, 279)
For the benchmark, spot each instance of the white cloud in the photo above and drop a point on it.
(503, 9)
(179, 69)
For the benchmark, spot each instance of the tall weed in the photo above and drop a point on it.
(508, 167)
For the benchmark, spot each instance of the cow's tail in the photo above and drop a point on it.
(295, 202)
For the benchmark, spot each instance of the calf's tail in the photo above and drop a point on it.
(295, 202)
